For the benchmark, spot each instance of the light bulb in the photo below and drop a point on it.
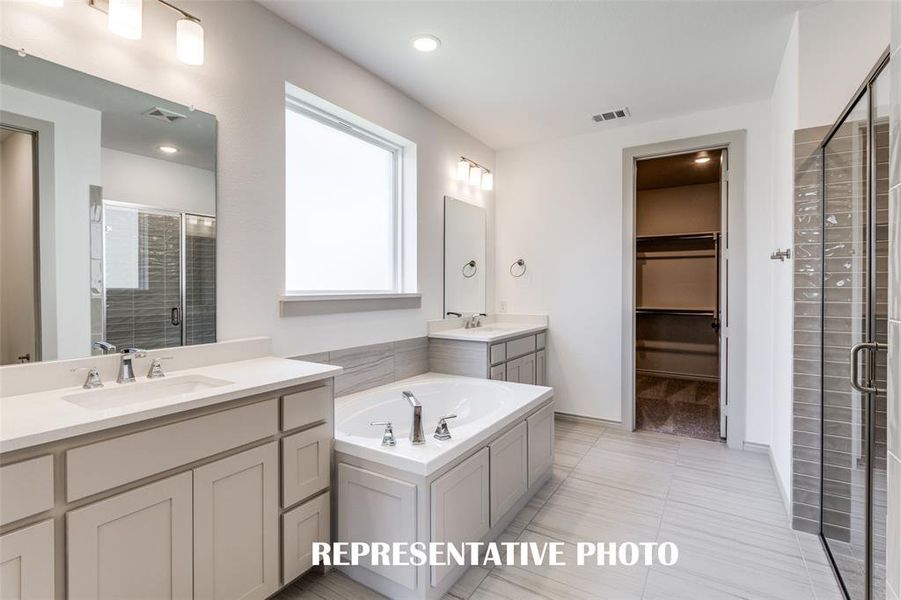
(189, 41)
(488, 181)
(463, 170)
(125, 18)
(475, 176)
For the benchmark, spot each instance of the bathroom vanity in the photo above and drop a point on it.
(501, 350)
(212, 485)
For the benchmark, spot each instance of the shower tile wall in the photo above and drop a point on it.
(200, 280)
(893, 550)
(807, 340)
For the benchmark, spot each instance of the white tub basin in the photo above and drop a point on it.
(483, 407)
(116, 395)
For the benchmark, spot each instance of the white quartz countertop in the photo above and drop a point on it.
(37, 418)
(489, 332)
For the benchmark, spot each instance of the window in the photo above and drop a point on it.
(344, 206)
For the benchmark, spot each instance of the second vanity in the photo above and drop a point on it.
(216, 491)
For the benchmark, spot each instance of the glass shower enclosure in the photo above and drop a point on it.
(854, 315)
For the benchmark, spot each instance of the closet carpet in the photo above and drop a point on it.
(683, 407)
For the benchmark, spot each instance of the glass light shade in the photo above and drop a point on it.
(125, 18)
(463, 170)
(488, 181)
(475, 176)
(189, 41)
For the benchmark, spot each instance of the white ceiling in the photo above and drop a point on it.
(512, 73)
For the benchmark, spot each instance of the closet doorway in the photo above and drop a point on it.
(679, 269)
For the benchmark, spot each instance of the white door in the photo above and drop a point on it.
(26, 563)
(134, 545)
(236, 526)
(722, 319)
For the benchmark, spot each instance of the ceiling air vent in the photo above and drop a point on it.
(612, 115)
(163, 115)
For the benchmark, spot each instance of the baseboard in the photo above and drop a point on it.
(573, 418)
(765, 449)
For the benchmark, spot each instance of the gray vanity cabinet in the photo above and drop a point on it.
(518, 359)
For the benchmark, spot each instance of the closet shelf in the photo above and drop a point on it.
(694, 312)
(700, 235)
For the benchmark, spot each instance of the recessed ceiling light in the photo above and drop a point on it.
(426, 43)
(168, 149)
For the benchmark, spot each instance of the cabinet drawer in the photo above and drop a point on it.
(302, 526)
(499, 372)
(498, 353)
(521, 346)
(26, 563)
(27, 488)
(107, 464)
(307, 407)
(509, 474)
(541, 340)
(306, 460)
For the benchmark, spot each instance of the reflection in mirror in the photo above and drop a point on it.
(464, 257)
(108, 216)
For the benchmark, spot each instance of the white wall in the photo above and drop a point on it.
(785, 121)
(559, 206)
(839, 42)
(76, 152)
(250, 53)
(140, 179)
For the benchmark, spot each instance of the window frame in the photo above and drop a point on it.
(397, 150)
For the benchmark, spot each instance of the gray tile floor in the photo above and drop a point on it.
(720, 506)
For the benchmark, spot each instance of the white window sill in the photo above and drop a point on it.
(345, 297)
(307, 304)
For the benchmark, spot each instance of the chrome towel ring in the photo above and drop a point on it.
(470, 265)
(518, 268)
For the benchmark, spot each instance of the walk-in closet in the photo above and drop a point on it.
(678, 290)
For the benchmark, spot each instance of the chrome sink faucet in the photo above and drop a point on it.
(104, 347)
(475, 320)
(126, 368)
(416, 436)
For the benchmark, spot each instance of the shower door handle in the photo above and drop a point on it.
(872, 347)
(176, 316)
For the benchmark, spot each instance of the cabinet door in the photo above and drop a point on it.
(134, 545)
(26, 563)
(540, 368)
(499, 372)
(509, 475)
(541, 442)
(308, 523)
(460, 511)
(513, 370)
(236, 526)
(527, 369)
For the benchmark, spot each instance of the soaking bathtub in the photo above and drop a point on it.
(465, 489)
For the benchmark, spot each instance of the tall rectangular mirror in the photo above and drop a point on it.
(107, 216)
(465, 251)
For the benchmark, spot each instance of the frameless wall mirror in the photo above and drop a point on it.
(108, 216)
(464, 257)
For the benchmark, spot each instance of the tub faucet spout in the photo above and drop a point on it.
(416, 436)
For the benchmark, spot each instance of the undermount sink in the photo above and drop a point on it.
(117, 395)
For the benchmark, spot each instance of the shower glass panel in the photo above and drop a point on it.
(854, 312)
(143, 277)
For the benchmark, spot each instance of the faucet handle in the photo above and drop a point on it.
(388, 436)
(156, 369)
(93, 379)
(442, 432)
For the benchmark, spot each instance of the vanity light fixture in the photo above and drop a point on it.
(475, 174)
(125, 19)
(168, 149)
(426, 43)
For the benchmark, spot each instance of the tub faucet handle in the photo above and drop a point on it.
(442, 432)
(388, 436)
